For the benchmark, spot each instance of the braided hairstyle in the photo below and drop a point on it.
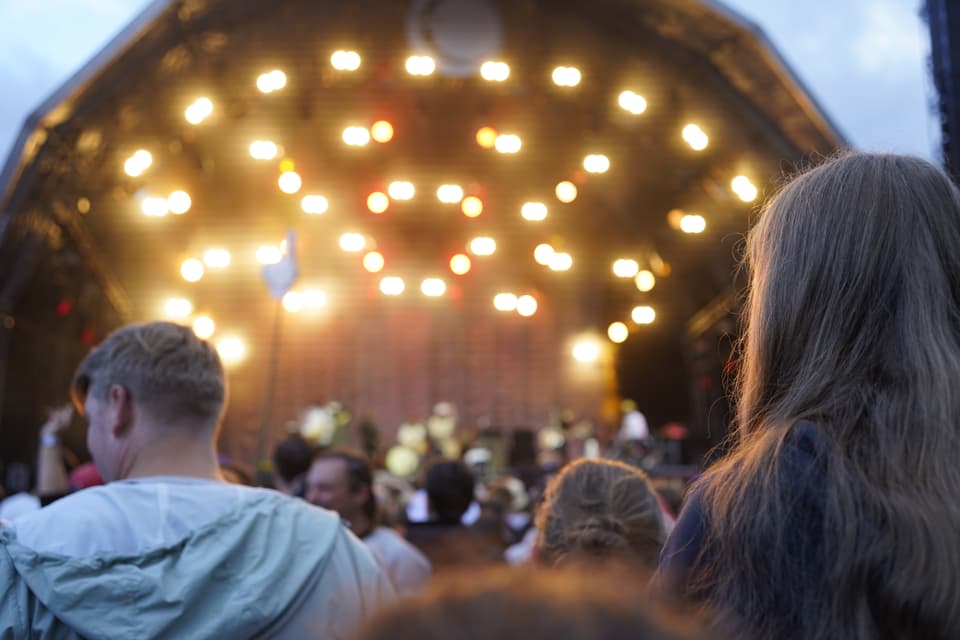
(600, 510)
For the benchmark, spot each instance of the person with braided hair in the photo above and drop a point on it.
(600, 510)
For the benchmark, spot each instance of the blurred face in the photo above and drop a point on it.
(328, 486)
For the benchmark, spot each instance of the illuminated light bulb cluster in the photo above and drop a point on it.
(692, 223)
(694, 136)
(217, 258)
(314, 205)
(345, 60)
(645, 281)
(596, 163)
(373, 262)
(487, 137)
(508, 143)
(543, 253)
(450, 193)
(625, 268)
(191, 270)
(472, 206)
(483, 246)
(290, 182)
(525, 305)
(495, 71)
(632, 102)
(138, 163)
(198, 111)
(179, 202)
(204, 327)
(566, 76)
(293, 301)
(618, 332)
(378, 202)
(232, 351)
(505, 302)
(178, 308)
(353, 242)
(381, 131)
(534, 211)
(566, 192)
(271, 81)
(586, 351)
(263, 150)
(744, 189)
(460, 264)
(433, 287)
(268, 254)
(420, 65)
(643, 315)
(392, 286)
(356, 136)
(401, 190)
(154, 207)
(560, 261)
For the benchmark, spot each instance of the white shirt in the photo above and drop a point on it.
(408, 569)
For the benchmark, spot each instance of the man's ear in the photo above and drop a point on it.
(120, 405)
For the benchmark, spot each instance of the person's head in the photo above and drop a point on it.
(341, 480)
(450, 488)
(852, 323)
(600, 510)
(144, 383)
(533, 605)
(291, 460)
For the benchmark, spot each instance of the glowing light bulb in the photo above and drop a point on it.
(293, 301)
(179, 202)
(566, 76)
(392, 286)
(744, 189)
(534, 211)
(543, 254)
(643, 315)
(271, 81)
(382, 131)
(566, 192)
(178, 308)
(314, 205)
(460, 264)
(487, 137)
(314, 298)
(217, 258)
(472, 206)
(505, 302)
(508, 143)
(560, 262)
(645, 281)
(198, 111)
(373, 262)
(450, 193)
(494, 71)
(618, 332)
(586, 351)
(527, 306)
(378, 202)
(596, 163)
(191, 270)
(269, 254)
(632, 102)
(138, 163)
(232, 351)
(401, 190)
(625, 268)
(433, 287)
(356, 136)
(290, 182)
(353, 242)
(263, 150)
(345, 60)
(154, 207)
(695, 137)
(204, 327)
(420, 65)
(483, 246)
(692, 223)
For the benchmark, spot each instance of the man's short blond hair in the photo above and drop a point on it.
(168, 370)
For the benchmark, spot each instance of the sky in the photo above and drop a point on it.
(864, 61)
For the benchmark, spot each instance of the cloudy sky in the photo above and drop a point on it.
(864, 60)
